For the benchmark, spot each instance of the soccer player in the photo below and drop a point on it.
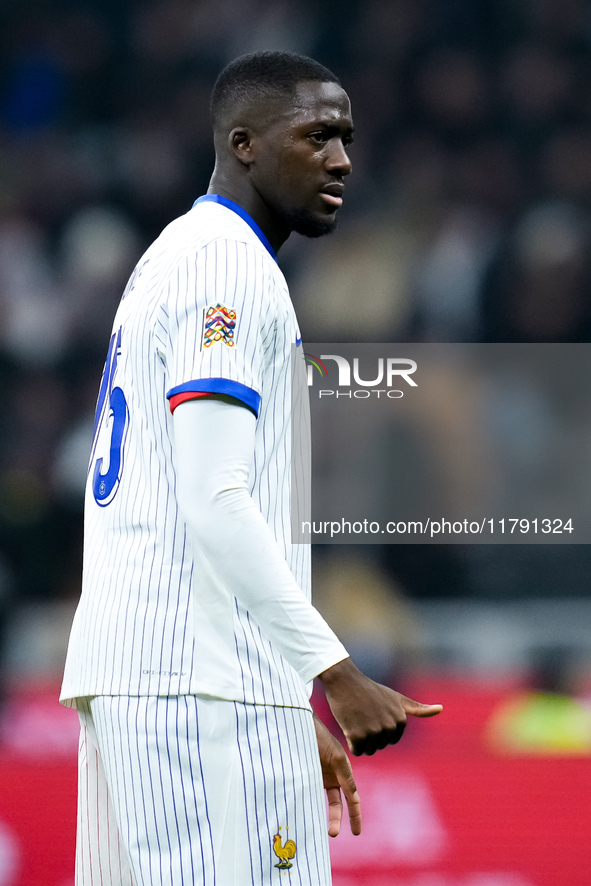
(195, 641)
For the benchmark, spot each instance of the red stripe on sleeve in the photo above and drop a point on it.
(176, 399)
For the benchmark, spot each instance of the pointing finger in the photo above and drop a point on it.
(354, 809)
(335, 811)
(347, 784)
(417, 709)
(353, 800)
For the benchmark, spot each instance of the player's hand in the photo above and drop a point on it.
(337, 776)
(371, 716)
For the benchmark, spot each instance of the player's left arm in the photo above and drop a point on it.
(338, 780)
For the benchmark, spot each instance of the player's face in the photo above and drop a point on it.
(302, 159)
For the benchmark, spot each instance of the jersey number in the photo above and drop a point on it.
(113, 417)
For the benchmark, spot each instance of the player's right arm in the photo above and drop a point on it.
(214, 445)
(213, 453)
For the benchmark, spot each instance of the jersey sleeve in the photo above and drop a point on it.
(214, 442)
(219, 317)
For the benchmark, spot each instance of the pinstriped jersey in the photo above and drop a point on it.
(207, 309)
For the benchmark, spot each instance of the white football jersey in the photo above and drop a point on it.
(207, 309)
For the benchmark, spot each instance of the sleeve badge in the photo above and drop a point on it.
(219, 325)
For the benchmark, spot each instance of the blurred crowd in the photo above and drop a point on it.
(468, 217)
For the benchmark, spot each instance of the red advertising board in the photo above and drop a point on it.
(440, 809)
(469, 823)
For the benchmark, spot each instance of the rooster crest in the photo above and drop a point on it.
(283, 853)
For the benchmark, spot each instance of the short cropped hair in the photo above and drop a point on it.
(259, 76)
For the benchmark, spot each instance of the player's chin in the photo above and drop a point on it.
(316, 225)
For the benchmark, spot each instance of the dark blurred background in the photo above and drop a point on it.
(467, 219)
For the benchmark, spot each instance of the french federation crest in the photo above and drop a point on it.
(219, 326)
(284, 852)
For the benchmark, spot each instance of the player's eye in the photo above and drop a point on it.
(319, 137)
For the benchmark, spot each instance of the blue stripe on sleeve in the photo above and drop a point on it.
(220, 386)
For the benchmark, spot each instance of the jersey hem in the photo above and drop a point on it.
(74, 702)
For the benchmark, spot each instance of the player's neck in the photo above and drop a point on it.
(252, 203)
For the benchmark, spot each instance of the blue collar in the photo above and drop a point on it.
(229, 204)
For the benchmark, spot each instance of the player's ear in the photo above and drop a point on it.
(240, 144)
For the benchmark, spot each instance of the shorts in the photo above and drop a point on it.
(192, 791)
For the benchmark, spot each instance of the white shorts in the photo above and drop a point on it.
(189, 791)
